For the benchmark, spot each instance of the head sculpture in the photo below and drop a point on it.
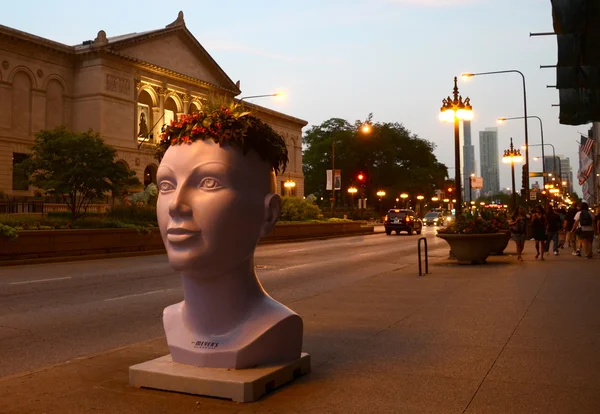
(217, 185)
(217, 198)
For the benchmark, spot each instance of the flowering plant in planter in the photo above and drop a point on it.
(470, 223)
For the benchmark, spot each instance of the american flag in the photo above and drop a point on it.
(586, 163)
(586, 145)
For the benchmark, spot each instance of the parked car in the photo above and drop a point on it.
(433, 218)
(402, 220)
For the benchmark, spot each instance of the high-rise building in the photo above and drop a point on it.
(561, 166)
(468, 160)
(488, 158)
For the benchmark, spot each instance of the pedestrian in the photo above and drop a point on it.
(518, 230)
(568, 226)
(553, 225)
(539, 228)
(584, 227)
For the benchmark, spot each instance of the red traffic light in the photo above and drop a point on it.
(450, 189)
(361, 177)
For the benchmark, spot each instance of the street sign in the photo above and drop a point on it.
(533, 195)
(476, 183)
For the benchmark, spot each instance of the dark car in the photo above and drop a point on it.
(402, 220)
(433, 218)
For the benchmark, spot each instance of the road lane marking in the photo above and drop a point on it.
(40, 280)
(137, 294)
(296, 251)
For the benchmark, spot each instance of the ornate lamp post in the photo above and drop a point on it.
(380, 194)
(289, 185)
(511, 156)
(455, 110)
(419, 198)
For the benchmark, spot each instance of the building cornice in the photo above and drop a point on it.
(36, 40)
(261, 109)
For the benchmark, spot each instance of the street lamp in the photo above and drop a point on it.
(364, 130)
(380, 194)
(455, 110)
(276, 94)
(419, 198)
(511, 156)
(289, 185)
(352, 191)
(466, 76)
(404, 196)
(554, 158)
(502, 120)
(471, 187)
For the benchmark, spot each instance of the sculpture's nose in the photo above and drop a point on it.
(179, 205)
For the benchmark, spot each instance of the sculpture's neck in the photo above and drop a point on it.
(215, 304)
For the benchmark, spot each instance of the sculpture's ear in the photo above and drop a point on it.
(272, 212)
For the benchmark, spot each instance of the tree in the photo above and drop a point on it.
(78, 166)
(390, 156)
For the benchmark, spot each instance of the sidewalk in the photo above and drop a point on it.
(506, 337)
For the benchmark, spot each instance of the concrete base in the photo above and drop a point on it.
(243, 385)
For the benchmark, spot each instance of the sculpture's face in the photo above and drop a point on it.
(212, 205)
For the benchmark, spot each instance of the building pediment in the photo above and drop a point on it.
(172, 48)
(175, 50)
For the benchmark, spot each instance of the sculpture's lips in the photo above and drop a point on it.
(179, 234)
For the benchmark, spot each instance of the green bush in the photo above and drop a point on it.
(134, 214)
(8, 231)
(297, 209)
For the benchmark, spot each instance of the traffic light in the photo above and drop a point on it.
(450, 189)
(361, 177)
(525, 179)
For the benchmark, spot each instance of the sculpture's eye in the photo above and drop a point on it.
(165, 187)
(209, 184)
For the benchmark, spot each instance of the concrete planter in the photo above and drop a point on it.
(42, 244)
(472, 248)
(499, 245)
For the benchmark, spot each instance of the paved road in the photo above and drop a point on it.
(57, 312)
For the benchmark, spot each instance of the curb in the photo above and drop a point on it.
(100, 256)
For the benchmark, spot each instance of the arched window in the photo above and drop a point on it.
(54, 104)
(145, 116)
(150, 175)
(21, 103)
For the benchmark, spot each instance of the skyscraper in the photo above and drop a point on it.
(488, 157)
(562, 168)
(468, 158)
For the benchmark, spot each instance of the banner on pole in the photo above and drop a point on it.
(329, 184)
(337, 179)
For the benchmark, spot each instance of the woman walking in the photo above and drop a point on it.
(539, 228)
(518, 230)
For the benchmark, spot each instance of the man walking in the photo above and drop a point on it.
(553, 226)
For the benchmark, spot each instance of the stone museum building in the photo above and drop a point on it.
(124, 87)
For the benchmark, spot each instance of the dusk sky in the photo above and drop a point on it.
(395, 58)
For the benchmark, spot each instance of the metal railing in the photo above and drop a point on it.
(426, 256)
(14, 207)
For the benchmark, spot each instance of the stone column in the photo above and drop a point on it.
(136, 96)
(162, 94)
(186, 99)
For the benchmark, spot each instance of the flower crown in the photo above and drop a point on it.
(227, 126)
